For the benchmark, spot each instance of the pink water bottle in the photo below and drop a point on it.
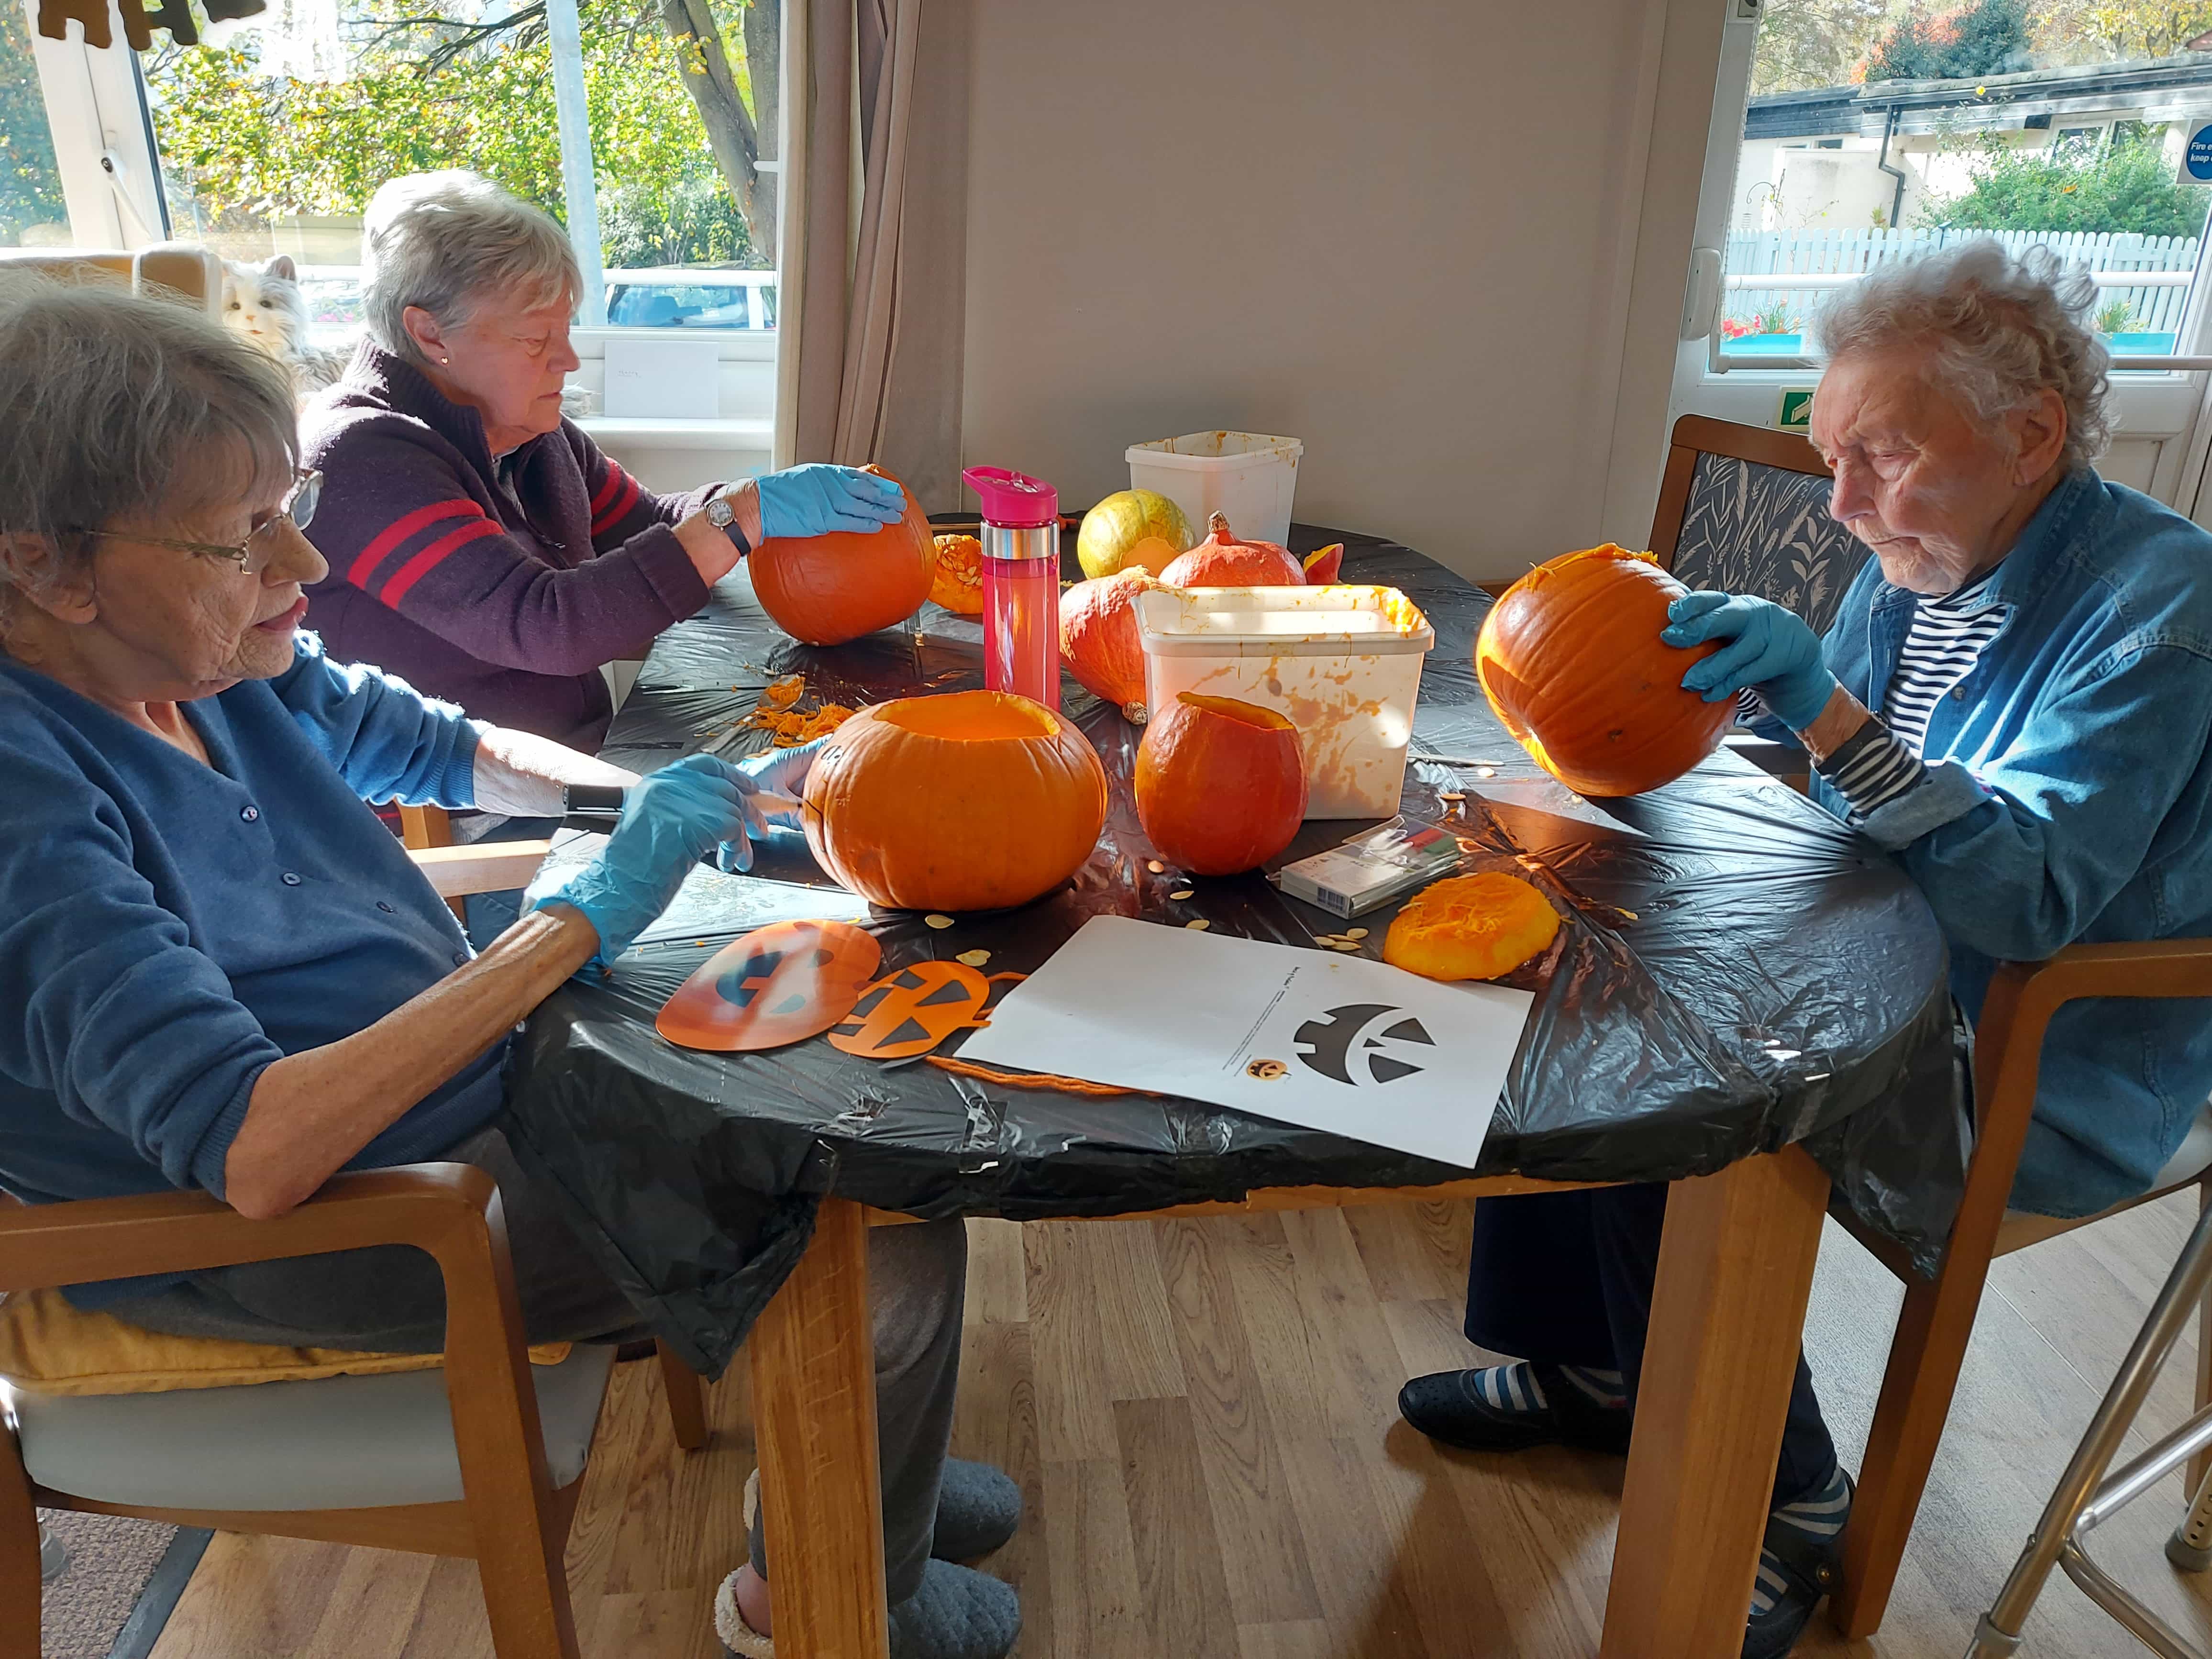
(1021, 582)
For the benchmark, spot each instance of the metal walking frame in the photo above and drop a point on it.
(2085, 1495)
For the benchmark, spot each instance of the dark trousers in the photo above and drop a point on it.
(1566, 1278)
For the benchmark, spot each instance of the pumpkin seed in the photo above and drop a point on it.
(936, 921)
(1451, 794)
(1355, 933)
(1182, 893)
(1198, 926)
(974, 958)
(1155, 868)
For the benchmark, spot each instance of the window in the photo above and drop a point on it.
(32, 211)
(1936, 124)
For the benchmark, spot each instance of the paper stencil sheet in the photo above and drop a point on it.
(1322, 1039)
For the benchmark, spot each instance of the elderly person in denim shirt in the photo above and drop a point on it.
(2013, 701)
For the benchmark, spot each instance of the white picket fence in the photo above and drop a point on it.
(2153, 307)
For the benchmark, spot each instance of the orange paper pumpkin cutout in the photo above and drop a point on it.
(911, 1011)
(779, 984)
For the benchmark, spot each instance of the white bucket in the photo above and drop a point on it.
(1343, 664)
(1247, 477)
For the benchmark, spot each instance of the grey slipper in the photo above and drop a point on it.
(958, 1613)
(978, 1508)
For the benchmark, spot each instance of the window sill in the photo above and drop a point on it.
(725, 434)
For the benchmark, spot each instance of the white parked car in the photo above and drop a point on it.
(676, 298)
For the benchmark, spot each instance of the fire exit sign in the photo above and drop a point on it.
(1796, 409)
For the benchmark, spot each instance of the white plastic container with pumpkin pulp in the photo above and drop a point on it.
(1342, 662)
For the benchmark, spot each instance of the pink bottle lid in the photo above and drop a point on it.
(1013, 499)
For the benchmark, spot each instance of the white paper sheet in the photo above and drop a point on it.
(1319, 1039)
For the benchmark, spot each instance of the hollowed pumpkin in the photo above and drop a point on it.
(1222, 561)
(1570, 660)
(1471, 928)
(778, 984)
(1098, 638)
(1220, 785)
(824, 589)
(957, 582)
(971, 800)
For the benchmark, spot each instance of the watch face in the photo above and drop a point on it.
(720, 514)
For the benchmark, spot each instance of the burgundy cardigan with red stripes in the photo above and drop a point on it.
(504, 603)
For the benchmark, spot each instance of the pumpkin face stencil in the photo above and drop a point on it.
(779, 984)
(1345, 1043)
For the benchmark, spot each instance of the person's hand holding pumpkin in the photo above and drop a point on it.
(1769, 649)
(816, 500)
(669, 823)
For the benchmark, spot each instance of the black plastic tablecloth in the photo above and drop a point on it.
(1737, 971)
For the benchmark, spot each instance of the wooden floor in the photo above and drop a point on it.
(1201, 1413)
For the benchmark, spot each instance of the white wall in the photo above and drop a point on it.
(1436, 241)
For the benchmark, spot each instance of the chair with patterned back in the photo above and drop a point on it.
(182, 272)
(1745, 510)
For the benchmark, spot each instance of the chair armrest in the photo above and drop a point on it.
(90, 1239)
(481, 867)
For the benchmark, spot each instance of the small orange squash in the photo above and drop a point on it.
(1220, 784)
(970, 801)
(825, 590)
(957, 581)
(1098, 638)
(1473, 926)
(1222, 561)
(1570, 660)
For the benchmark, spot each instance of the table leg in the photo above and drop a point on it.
(814, 1410)
(1736, 1270)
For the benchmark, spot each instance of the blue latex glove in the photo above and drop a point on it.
(815, 500)
(1768, 647)
(668, 823)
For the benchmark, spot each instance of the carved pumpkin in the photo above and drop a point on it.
(1220, 784)
(1570, 660)
(970, 801)
(957, 581)
(1471, 928)
(1222, 561)
(1098, 638)
(1130, 530)
(824, 589)
(778, 984)
(911, 1011)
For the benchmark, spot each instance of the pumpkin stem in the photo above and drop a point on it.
(1218, 525)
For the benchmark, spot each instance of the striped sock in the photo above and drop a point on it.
(1820, 1515)
(1515, 1388)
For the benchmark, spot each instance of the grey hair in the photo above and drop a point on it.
(115, 406)
(1997, 332)
(446, 240)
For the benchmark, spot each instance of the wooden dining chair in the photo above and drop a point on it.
(1937, 1319)
(184, 271)
(460, 1460)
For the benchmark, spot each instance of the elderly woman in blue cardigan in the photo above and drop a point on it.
(218, 970)
(2014, 701)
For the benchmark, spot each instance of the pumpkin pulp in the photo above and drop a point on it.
(1475, 927)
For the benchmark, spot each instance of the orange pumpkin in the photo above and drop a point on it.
(778, 984)
(1220, 784)
(1570, 660)
(1222, 561)
(911, 1011)
(970, 800)
(824, 589)
(957, 581)
(1098, 638)
(1471, 928)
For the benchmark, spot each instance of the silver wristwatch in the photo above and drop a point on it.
(724, 517)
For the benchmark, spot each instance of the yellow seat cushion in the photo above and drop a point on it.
(49, 1347)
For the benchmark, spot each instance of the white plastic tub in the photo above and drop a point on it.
(1248, 476)
(1343, 664)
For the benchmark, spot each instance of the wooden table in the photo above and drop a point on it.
(1740, 976)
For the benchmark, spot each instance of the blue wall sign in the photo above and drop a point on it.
(2197, 159)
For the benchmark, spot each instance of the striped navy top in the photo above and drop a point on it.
(1884, 760)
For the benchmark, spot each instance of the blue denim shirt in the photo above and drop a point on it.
(2068, 800)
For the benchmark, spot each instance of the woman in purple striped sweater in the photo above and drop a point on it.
(480, 545)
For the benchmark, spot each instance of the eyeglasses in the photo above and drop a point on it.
(251, 556)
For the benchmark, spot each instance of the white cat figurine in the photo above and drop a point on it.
(265, 304)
